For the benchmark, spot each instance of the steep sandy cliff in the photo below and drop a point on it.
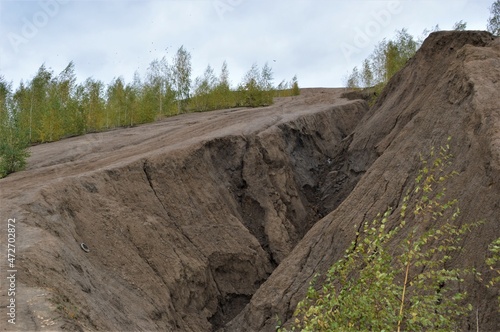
(219, 220)
(450, 88)
(184, 219)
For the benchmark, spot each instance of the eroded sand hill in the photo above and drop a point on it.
(184, 218)
(218, 221)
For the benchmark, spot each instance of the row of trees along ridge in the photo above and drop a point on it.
(50, 107)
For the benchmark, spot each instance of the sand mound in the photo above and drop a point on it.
(219, 220)
(450, 88)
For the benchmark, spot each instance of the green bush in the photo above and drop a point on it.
(494, 263)
(379, 286)
(13, 152)
(13, 140)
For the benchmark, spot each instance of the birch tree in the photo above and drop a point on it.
(13, 140)
(204, 87)
(494, 20)
(181, 72)
(159, 79)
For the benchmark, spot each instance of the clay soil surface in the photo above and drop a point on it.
(184, 218)
(219, 221)
(69, 157)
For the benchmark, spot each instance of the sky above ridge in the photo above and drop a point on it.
(320, 41)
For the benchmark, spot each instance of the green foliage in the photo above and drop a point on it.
(181, 73)
(159, 94)
(256, 88)
(494, 20)
(295, 86)
(388, 57)
(36, 100)
(460, 26)
(50, 107)
(13, 141)
(13, 150)
(353, 81)
(494, 263)
(90, 96)
(367, 73)
(204, 98)
(288, 89)
(115, 105)
(378, 286)
(222, 95)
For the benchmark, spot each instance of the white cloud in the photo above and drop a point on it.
(114, 38)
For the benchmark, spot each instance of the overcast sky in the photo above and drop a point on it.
(317, 40)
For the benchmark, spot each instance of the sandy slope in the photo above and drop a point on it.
(219, 220)
(184, 218)
(450, 88)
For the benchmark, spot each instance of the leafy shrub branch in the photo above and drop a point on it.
(390, 56)
(13, 140)
(381, 286)
(494, 263)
